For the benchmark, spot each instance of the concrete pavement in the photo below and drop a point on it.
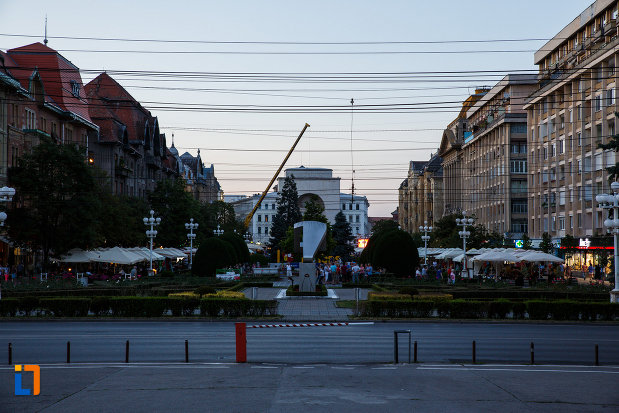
(315, 388)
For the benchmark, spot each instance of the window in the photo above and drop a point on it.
(259, 218)
(579, 138)
(560, 146)
(519, 226)
(519, 207)
(579, 220)
(259, 230)
(562, 197)
(561, 223)
(571, 222)
(31, 120)
(543, 130)
(553, 150)
(519, 187)
(75, 89)
(597, 103)
(343, 207)
(54, 127)
(518, 128)
(349, 218)
(518, 166)
(266, 218)
(553, 223)
(357, 207)
(545, 153)
(266, 231)
(356, 218)
(579, 166)
(599, 161)
(272, 206)
(610, 97)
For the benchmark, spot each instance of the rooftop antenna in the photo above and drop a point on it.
(172, 139)
(352, 162)
(45, 40)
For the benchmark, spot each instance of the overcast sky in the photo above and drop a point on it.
(246, 146)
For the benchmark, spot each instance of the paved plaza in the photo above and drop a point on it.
(308, 308)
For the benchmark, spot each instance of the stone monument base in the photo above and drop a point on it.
(307, 278)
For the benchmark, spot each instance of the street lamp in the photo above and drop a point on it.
(6, 195)
(151, 233)
(425, 238)
(464, 234)
(191, 226)
(218, 231)
(611, 201)
(247, 237)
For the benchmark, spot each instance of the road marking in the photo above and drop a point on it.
(384, 368)
(518, 370)
(264, 367)
(303, 367)
(342, 368)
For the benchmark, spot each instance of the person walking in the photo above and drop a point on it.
(355, 273)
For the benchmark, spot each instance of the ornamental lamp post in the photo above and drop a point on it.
(151, 233)
(464, 234)
(6, 195)
(611, 201)
(425, 238)
(218, 231)
(191, 226)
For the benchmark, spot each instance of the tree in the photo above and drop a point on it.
(288, 212)
(395, 251)
(57, 198)
(526, 242)
(314, 211)
(239, 245)
(546, 244)
(125, 213)
(212, 254)
(175, 206)
(342, 236)
(384, 225)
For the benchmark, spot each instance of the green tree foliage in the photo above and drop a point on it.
(343, 238)
(288, 213)
(395, 251)
(526, 242)
(57, 198)
(175, 206)
(212, 254)
(124, 213)
(239, 245)
(445, 234)
(384, 225)
(546, 244)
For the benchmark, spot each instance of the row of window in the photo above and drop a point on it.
(266, 206)
(350, 207)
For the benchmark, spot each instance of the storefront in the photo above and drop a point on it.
(589, 251)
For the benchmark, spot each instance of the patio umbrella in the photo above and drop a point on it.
(118, 255)
(78, 255)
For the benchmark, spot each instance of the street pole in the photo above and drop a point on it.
(464, 234)
(191, 226)
(151, 233)
(425, 238)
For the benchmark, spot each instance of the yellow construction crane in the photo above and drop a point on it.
(253, 211)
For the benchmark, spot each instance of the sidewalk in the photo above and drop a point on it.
(309, 308)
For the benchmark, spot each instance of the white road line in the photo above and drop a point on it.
(264, 367)
(519, 370)
(384, 368)
(342, 368)
(303, 367)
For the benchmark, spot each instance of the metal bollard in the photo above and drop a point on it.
(254, 293)
(474, 358)
(532, 353)
(357, 294)
(186, 351)
(597, 359)
(241, 342)
(10, 354)
(415, 359)
(127, 352)
(395, 344)
(68, 352)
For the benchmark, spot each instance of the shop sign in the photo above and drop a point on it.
(585, 243)
(519, 243)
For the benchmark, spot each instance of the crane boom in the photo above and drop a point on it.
(253, 211)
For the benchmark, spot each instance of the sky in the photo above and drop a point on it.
(239, 79)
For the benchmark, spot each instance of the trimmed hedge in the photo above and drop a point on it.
(66, 306)
(293, 291)
(9, 307)
(216, 307)
(499, 309)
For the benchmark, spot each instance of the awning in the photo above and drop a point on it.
(79, 255)
(171, 253)
(118, 255)
(145, 253)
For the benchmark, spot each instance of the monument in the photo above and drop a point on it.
(309, 239)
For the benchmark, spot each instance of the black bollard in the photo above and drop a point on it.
(186, 351)
(474, 358)
(68, 352)
(127, 352)
(597, 359)
(10, 354)
(415, 352)
(532, 353)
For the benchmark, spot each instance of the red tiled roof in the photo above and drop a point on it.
(109, 100)
(57, 74)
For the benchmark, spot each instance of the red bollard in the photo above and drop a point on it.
(241, 343)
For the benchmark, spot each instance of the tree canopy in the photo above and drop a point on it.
(343, 238)
(288, 213)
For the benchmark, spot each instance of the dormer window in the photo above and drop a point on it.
(75, 89)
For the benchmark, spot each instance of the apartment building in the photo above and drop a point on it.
(409, 197)
(494, 157)
(451, 155)
(355, 210)
(568, 116)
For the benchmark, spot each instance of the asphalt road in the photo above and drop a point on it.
(39, 342)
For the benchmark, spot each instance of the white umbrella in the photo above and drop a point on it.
(118, 255)
(145, 254)
(171, 253)
(79, 255)
(539, 256)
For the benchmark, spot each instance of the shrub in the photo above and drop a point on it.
(186, 294)
(372, 295)
(166, 274)
(9, 307)
(408, 290)
(499, 308)
(518, 310)
(100, 306)
(538, 309)
(183, 305)
(66, 306)
(395, 251)
(138, 306)
(213, 253)
(226, 294)
(468, 309)
(28, 304)
(234, 307)
(205, 289)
